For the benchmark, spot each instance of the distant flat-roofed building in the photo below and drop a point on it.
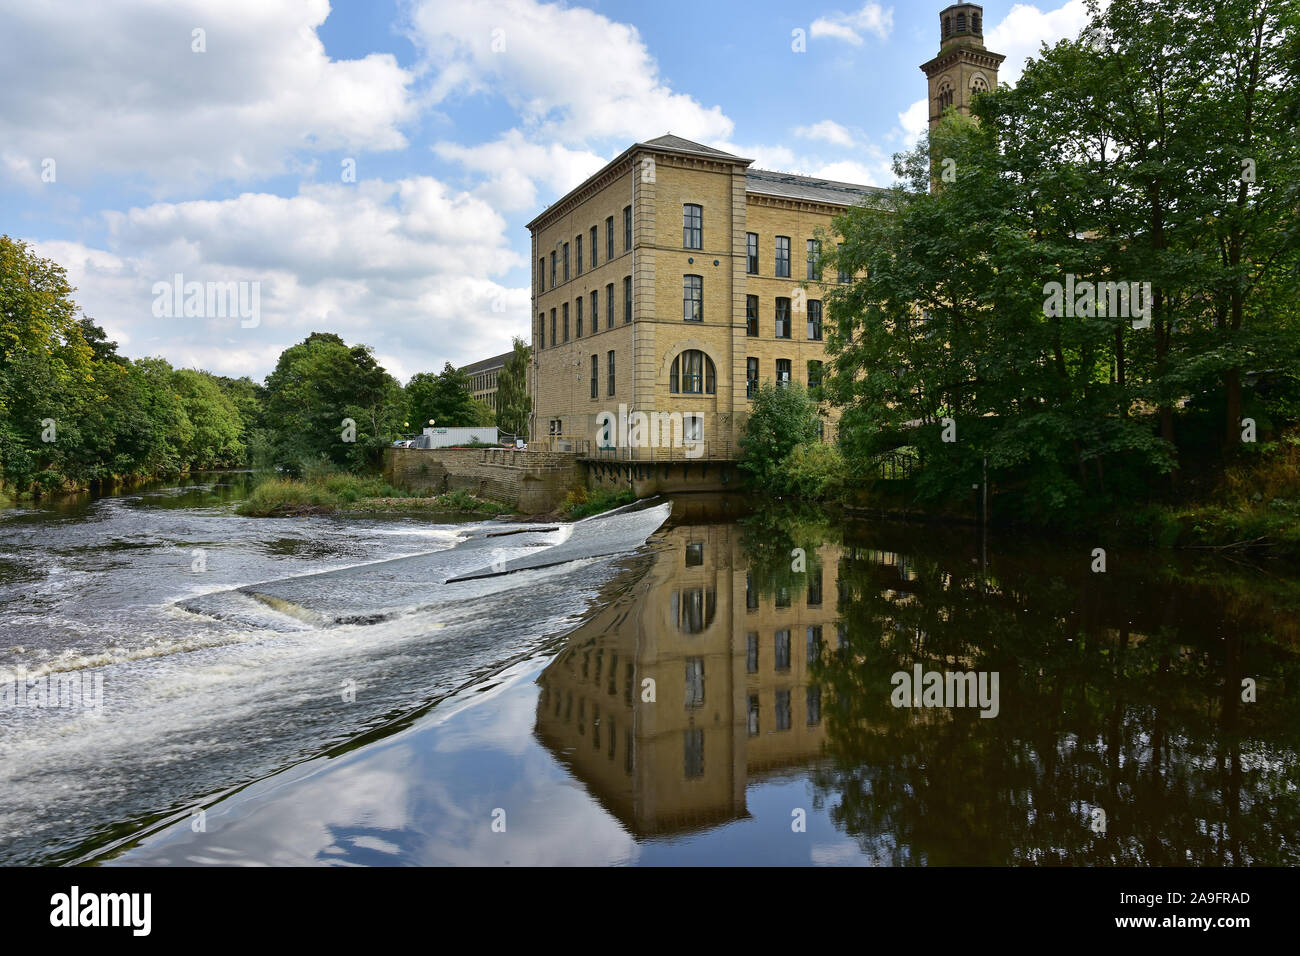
(483, 378)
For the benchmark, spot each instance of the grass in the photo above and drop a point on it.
(579, 503)
(341, 491)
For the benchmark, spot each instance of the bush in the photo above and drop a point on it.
(579, 504)
(782, 417)
(813, 470)
(285, 495)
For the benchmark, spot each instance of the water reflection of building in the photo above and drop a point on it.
(731, 684)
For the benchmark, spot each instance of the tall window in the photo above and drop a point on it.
(842, 273)
(609, 238)
(782, 318)
(593, 247)
(627, 228)
(566, 262)
(694, 682)
(565, 312)
(814, 320)
(751, 377)
(554, 341)
(578, 316)
(554, 283)
(814, 375)
(692, 226)
(541, 330)
(611, 372)
(609, 306)
(783, 257)
(782, 648)
(595, 376)
(577, 248)
(692, 373)
(751, 652)
(627, 299)
(751, 316)
(814, 260)
(595, 311)
(751, 253)
(782, 371)
(692, 298)
(541, 274)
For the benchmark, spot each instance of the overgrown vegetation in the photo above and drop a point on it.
(323, 492)
(579, 503)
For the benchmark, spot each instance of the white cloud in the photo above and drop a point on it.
(117, 88)
(914, 121)
(513, 166)
(1025, 28)
(572, 74)
(405, 266)
(849, 27)
(827, 131)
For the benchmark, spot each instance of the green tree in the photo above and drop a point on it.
(512, 391)
(444, 397)
(782, 417)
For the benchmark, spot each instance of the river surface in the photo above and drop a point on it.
(184, 685)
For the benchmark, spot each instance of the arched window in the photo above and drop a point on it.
(974, 23)
(961, 23)
(947, 26)
(692, 374)
(979, 85)
(945, 95)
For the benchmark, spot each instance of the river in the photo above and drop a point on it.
(390, 689)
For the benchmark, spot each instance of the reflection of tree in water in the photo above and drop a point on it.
(1119, 694)
(770, 535)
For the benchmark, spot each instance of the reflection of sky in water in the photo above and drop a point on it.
(426, 797)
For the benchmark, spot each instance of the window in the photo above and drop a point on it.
(842, 275)
(814, 701)
(627, 228)
(782, 371)
(814, 377)
(783, 257)
(694, 682)
(554, 341)
(609, 306)
(692, 298)
(577, 248)
(751, 253)
(609, 238)
(814, 320)
(751, 316)
(695, 554)
(974, 23)
(578, 318)
(693, 758)
(595, 376)
(553, 273)
(593, 247)
(751, 594)
(541, 330)
(751, 377)
(541, 274)
(781, 598)
(693, 427)
(627, 299)
(692, 226)
(782, 709)
(692, 373)
(961, 23)
(814, 260)
(556, 424)
(694, 609)
(782, 648)
(565, 310)
(611, 371)
(566, 262)
(782, 318)
(751, 652)
(815, 588)
(595, 311)
(814, 643)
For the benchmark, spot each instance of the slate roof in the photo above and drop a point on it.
(811, 188)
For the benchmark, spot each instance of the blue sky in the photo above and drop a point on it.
(133, 149)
